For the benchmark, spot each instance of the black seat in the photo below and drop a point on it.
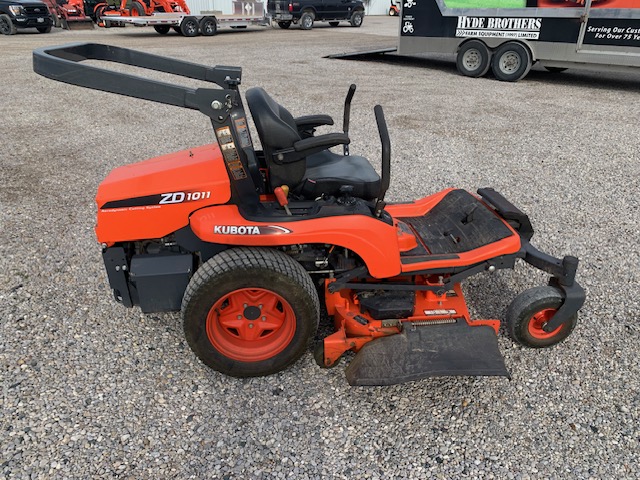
(304, 162)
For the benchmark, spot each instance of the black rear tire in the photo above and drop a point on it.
(284, 25)
(334, 24)
(529, 312)
(190, 27)
(473, 59)
(6, 25)
(511, 62)
(250, 312)
(162, 29)
(306, 21)
(208, 26)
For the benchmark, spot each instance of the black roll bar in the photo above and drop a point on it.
(386, 158)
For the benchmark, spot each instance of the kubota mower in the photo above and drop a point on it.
(69, 14)
(135, 8)
(240, 239)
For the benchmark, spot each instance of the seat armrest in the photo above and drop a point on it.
(312, 121)
(308, 146)
(321, 142)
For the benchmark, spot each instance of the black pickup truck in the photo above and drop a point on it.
(306, 12)
(15, 14)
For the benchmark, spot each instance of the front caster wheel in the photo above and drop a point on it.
(250, 312)
(529, 313)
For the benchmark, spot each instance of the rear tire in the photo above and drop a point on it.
(190, 27)
(137, 10)
(162, 29)
(334, 24)
(473, 59)
(528, 313)
(511, 62)
(284, 25)
(356, 19)
(306, 21)
(6, 25)
(250, 312)
(208, 26)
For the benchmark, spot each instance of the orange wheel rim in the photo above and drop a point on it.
(251, 324)
(539, 320)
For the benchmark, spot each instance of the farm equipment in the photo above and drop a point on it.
(106, 12)
(394, 8)
(69, 15)
(241, 240)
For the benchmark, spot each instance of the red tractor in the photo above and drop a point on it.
(246, 242)
(137, 8)
(69, 15)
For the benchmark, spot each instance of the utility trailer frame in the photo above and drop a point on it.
(189, 25)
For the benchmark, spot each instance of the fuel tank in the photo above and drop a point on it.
(154, 198)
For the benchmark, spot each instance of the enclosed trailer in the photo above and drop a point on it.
(508, 36)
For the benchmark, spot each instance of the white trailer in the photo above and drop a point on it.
(189, 25)
(558, 34)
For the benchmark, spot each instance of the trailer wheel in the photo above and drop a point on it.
(208, 26)
(178, 30)
(284, 25)
(511, 62)
(528, 313)
(306, 21)
(189, 27)
(162, 29)
(357, 18)
(473, 59)
(6, 25)
(250, 311)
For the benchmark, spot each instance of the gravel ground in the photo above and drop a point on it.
(91, 389)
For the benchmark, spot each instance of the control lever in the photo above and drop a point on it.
(281, 195)
(347, 113)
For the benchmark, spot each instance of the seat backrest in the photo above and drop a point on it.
(277, 130)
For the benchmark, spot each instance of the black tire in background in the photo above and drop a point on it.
(250, 311)
(284, 25)
(208, 26)
(511, 62)
(473, 59)
(162, 29)
(190, 27)
(306, 21)
(357, 18)
(555, 69)
(334, 24)
(529, 312)
(6, 25)
(46, 29)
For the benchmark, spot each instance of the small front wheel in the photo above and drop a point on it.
(529, 313)
(250, 311)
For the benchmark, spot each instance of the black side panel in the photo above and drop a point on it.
(115, 261)
(459, 223)
(428, 351)
(161, 280)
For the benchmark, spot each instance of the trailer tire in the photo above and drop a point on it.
(46, 29)
(306, 21)
(178, 30)
(511, 62)
(162, 29)
(250, 312)
(137, 10)
(357, 18)
(284, 25)
(473, 59)
(529, 311)
(190, 27)
(6, 25)
(208, 26)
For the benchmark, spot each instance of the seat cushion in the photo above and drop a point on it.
(327, 171)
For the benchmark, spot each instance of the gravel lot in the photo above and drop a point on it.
(91, 389)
